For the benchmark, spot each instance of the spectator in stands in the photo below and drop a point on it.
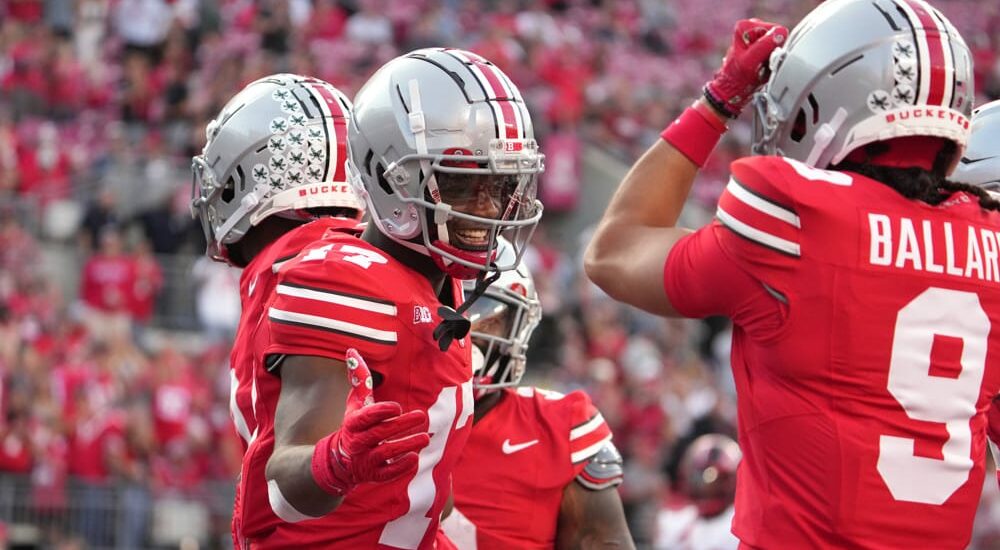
(147, 283)
(369, 25)
(107, 284)
(217, 302)
(97, 447)
(143, 25)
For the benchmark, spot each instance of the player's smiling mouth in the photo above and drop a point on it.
(471, 238)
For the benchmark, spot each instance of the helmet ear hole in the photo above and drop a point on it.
(368, 161)
(229, 191)
(242, 179)
(382, 182)
(799, 128)
(815, 108)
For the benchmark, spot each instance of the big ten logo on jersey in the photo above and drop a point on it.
(422, 314)
(349, 253)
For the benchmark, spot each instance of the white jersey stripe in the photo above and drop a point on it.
(338, 299)
(276, 266)
(756, 235)
(762, 205)
(587, 427)
(238, 419)
(584, 454)
(281, 507)
(382, 336)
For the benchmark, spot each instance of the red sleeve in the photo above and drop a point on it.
(588, 431)
(701, 280)
(324, 306)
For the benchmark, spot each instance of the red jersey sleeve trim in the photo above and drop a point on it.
(587, 452)
(587, 438)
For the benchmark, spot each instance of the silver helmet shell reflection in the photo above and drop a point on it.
(858, 71)
(278, 147)
(443, 111)
(981, 163)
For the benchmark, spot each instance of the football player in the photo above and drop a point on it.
(539, 469)
(862, 284)
(707, 477)
(441, 147)
(980, 165)
(270, 180)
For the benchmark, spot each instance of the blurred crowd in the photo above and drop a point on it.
(102, 104)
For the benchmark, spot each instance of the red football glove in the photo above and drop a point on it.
(377, 441)
(745, 67)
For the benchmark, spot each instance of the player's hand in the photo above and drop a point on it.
(377, 441)
(745, 67)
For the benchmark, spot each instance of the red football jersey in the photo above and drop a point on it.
(339, 293)
(256, 288)
(994, 433)
(866, 352)
(247, 376)
(510, 478)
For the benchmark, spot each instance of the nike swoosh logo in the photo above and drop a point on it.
(967, 160)
(253, 285)
(511, 449)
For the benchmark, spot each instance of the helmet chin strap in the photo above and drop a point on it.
(453, 323)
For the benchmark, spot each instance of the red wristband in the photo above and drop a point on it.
(694, 133)
(322, 470)
(710, 115)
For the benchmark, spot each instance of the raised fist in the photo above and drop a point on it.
(377, 441)
(745, 67)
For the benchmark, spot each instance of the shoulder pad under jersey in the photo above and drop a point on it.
(603, 470)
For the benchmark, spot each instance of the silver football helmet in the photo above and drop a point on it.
(503, 319)
(432, 131)
(857, 71)
(981, 163)
(278, 147)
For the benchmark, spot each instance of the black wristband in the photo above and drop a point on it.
(716, 104)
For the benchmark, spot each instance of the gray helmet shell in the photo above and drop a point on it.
(981, 163)
(858, 71)
(278, 147)
(514, 296)
(441, 110)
